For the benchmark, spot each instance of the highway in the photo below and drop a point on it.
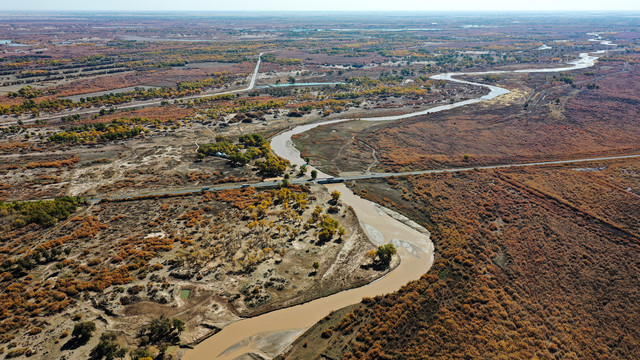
(363, 176)
(140, 104)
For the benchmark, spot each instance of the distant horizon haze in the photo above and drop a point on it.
(327, 5)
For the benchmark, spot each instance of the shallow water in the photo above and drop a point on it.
(414, 247)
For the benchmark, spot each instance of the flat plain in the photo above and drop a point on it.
(118, 135)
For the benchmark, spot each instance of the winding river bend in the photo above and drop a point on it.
(270, 333)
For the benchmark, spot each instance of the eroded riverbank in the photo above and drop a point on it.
(262, 333)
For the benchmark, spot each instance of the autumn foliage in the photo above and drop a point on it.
(525, 269)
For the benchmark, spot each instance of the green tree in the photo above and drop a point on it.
(491, 78)
(162, 330)
(272, 165)
(328, 228)
(385, 254)
(108, 348)
(82, 331)
(238, 158)
(45, 213)
(314, 174)
(255, 140)
(141, 353)
(315, 215)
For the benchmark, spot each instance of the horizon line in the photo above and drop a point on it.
(321, 11)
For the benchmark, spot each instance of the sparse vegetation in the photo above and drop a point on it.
(506, 251)
(136, 264)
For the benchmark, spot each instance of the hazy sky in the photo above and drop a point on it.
(369, 5)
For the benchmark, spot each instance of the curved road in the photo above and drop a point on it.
(268, 334)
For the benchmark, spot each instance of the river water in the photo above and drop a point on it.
(270, 333)
(262, 332)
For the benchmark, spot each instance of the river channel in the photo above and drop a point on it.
(269, 333)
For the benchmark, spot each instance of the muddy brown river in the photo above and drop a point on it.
(270, 333)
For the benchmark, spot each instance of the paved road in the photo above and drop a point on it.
(363, 176)
(141, 104)
(245, 336)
